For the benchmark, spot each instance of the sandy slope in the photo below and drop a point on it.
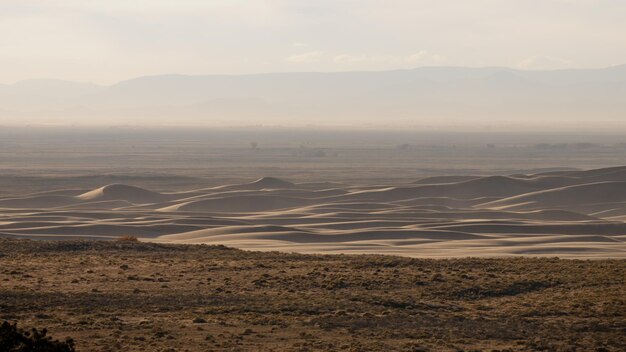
(565, 213)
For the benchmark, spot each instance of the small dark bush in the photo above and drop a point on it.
(127, 239)
(13, 339)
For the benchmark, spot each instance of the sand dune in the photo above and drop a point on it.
(123, 192)
(262, 183)
(254, 203)
(594, 173)
(566, 213)
(605, 229)
(50, 201)
(565, 197)
(493, 186)
(434, 180)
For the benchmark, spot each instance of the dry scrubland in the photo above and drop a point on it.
(118, 296)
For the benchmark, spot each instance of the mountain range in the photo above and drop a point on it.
(429, 96)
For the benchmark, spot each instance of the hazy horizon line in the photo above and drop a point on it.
(305, 72)
(477, 129)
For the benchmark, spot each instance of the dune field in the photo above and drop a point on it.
(560, 213)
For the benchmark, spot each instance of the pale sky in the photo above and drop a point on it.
(105, 41)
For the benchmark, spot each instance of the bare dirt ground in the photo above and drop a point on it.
(118, 296)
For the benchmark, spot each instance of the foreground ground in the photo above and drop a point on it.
(118, 296)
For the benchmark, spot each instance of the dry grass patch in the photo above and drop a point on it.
(112, 296)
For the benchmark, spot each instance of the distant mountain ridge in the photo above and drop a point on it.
(428, 95)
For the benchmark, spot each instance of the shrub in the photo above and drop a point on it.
(127, 239)
(13, 339)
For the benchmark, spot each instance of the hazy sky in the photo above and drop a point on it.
(105, 41)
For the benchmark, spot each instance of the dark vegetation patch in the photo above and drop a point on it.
(14, 339)
(511, 289)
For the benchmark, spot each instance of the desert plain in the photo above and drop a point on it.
(438, 242)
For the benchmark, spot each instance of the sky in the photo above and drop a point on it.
(107, 41)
